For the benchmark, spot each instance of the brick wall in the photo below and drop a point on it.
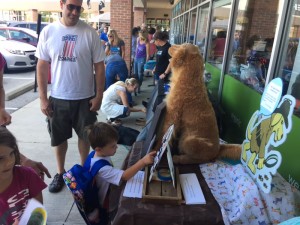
(122, 21)
(139, 16)
(264, 24)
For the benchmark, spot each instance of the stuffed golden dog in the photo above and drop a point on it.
(188, 107)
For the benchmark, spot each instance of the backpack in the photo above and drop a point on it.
(80, 181)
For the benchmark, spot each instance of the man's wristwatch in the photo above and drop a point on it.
(165, 73)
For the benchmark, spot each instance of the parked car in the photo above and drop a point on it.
(19, 34)
(29, 25)
(17, 55)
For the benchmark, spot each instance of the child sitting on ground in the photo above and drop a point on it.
(18, 184)
(103, 139)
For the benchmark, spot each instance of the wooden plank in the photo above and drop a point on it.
(168, 190)
(161, 191)
(154, 188)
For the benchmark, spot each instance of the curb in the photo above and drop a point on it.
(11, 94)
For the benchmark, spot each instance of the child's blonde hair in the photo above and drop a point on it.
(143, 35)
(129, 81)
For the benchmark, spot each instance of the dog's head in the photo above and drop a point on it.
(277, 123)
(185, 55)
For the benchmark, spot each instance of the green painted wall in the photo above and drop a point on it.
(213, 85)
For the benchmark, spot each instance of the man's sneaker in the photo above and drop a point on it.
(57, 183)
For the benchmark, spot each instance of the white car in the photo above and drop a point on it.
(20, 34)
(17, 55)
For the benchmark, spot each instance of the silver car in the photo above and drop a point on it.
(17, 55)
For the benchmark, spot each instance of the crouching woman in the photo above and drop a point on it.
(115, 103)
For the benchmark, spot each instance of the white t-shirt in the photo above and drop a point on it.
(105, 176)
(111, 101)
(71, 52)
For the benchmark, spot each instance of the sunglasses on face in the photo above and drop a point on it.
(110, 36)
(78, 8)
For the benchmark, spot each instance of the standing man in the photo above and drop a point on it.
(74, 50)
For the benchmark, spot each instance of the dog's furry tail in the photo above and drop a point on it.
(230, 151)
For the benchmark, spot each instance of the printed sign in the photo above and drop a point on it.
(267, 129)
(159, 154)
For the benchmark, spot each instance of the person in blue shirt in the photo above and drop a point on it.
(103, 37)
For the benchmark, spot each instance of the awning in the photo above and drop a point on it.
(102, 18)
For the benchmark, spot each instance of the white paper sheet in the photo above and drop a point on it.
(191, 189)
(35, 212)
(134, 186)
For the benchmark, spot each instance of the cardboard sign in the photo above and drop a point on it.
(267, 129)
(160, 153)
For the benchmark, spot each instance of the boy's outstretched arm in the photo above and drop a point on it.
(131, 171)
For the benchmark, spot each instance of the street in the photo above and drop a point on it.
(15, 79)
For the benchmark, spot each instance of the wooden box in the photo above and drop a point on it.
(162, 191)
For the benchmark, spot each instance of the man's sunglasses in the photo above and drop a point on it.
(78, 8)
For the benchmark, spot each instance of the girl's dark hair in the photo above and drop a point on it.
(161, 35)
(151, 30)
(100, 134)
(135, 30)
(9, 140)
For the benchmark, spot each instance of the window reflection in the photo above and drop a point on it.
(202, 28)
(290, 72)
(253, 41)
(220, 14)
(192, 26)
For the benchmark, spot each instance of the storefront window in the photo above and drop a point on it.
(290, 68)
(187, 5)
(194, 3)
(183, 6)
(175, 35)
(193, 15)
(253, 41)
(184, 28)
(202, 28)
(216, 46)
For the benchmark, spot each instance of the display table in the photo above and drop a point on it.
(132, 211)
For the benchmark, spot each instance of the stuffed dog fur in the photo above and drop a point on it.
(188, 107)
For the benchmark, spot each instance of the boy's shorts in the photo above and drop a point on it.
(68, 114)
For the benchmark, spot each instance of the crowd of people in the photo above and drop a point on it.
(87, 75)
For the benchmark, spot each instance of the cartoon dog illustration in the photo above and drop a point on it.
(259, 137)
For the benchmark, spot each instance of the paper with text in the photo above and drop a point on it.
(134, 186)
(191, 189)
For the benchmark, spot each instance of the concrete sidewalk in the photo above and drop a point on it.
(29, 127)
